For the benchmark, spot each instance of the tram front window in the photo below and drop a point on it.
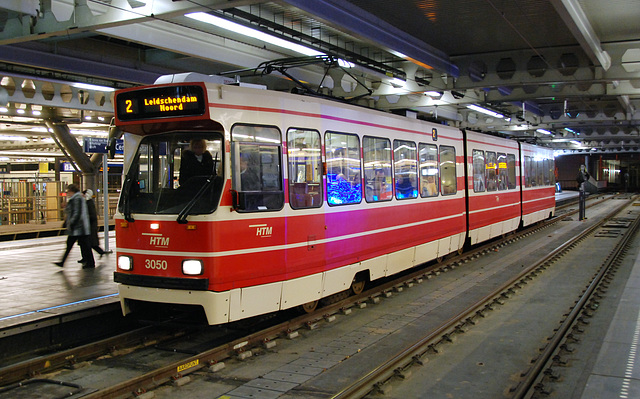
(175, 173)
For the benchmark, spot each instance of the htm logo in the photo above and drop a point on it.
(262, 230)
(159, 241)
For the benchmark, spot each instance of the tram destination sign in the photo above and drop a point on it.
(160, 102)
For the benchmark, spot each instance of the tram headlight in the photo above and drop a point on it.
(125, 262)
(192, 267)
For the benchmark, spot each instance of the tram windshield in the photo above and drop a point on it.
(175, 173)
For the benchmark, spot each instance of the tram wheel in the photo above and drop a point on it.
(357, 286)
(309, 306)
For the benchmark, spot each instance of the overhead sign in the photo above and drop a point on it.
(160, 102)
(96, 145)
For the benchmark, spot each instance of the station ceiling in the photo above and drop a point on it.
(562, 73)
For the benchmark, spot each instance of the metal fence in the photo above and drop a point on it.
(39, 201)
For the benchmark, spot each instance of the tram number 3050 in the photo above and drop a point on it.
(155, 264)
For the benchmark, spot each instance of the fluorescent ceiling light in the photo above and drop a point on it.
(92, 87)
(485, 111)
(543, 131)
(345, 64)
(256, 34)
(433, 93)
(397, 83)
(32, 154)
(576, 142)
(13, 138)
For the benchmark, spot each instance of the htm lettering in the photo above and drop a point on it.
(264, 231)
(161, 241)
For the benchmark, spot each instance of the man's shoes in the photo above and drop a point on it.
(82, 261)
(89, 266)
(58, 264)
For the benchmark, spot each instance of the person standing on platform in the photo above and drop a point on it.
(582, 178)
(78, 226)
(94, 243)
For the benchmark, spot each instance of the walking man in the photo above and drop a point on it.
(78, 227)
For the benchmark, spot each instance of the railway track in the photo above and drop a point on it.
(399, 365)
(178, 371)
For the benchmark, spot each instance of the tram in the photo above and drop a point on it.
(244, 201)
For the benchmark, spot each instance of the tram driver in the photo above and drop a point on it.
(196, 161)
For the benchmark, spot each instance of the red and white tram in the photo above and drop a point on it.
(297, 198)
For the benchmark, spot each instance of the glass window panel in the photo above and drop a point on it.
(511, 168)
(448, 178)
(491, 176)
(344, 180)
(503, 176)
(529, 180)
(405, 163)
(429, 173)
(166, 176)
(305, 168)
(376, 153)
(257, 171)
(478, 171)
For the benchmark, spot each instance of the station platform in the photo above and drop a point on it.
(33, 288)
(566, 196)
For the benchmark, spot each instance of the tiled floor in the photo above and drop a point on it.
(29, 281)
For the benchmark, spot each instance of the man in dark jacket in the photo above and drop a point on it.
(78, 226)
(196, 161)
(94, 243)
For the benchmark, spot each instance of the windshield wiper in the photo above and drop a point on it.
(182, 216)
(127, 199)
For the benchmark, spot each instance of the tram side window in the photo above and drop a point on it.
(529, 172)
(552, 175)
(478, 171)
(490, 171)
(376, 154)
(503, 177)
(511, 170)
(257, 174)
(429, 174)
(305, 168)
(405, 165)
(448, 178)
(547, 172)
(539, 173)
(344, 180)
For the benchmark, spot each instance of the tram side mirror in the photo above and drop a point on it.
(111, 148)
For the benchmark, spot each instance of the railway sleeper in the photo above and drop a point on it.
(559, 360)
(402, 373)
(551, 374)
(540, 389)
(566, 348)
(417, 359)
(571, 337)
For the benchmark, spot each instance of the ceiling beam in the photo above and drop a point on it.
(576, 20)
